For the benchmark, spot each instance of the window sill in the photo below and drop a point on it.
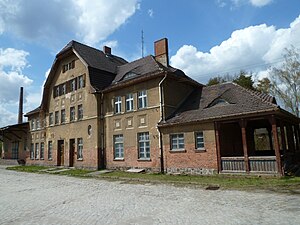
(144, 160)
(49, 159)
(119, 159)
(177, 150)
(81, 159)
(200, 150)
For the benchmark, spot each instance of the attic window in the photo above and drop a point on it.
(218, 102)
(68, 66)
(129, 75)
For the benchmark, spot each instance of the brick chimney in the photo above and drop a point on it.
(20, 115)
(161, 51)
(107, 50)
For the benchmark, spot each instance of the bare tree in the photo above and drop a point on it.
(285, 80)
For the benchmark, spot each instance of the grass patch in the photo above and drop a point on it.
(224, 181)
(30, 169)
(277, 184)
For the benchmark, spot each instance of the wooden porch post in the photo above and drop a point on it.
(218, 146)
(276, 145)
(243, 124)
(296, 133)
(290, 137)
(283, 141)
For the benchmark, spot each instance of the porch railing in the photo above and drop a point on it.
(263, 164)
(233, 164)
(259, 164)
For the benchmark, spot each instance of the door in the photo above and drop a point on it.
(15, 150)
(71, 152)
(60, 152)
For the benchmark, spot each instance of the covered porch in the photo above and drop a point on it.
(261, 145)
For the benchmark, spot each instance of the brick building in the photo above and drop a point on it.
(100, 111)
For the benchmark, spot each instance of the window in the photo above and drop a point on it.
(79, 148)
(33, 124)
(63, 116)
(68, 66)
(71, 64)
(73, 85)
(118, 104)
(118, 146)
(56, 117)
(57, 93)
(80, 112)
(42, 150)
(142, 97)
(63, 89)
(199, 140)
(72, 114)
(144, 145)
(49, 150)
(81, 83)
(38, 124)
(37, 152)
(177, 141)
(32, 151)
(129, 102)
(51, 119)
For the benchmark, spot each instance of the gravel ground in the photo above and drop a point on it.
(27, 198)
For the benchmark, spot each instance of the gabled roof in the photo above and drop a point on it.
(35, 111)
(145, 68)
(239, 101)
(94, 57)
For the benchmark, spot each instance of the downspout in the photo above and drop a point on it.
(102, 130)
(161, 106)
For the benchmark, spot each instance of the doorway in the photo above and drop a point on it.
(71, 152)
(60, 152)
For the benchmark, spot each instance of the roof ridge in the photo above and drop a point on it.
(252, 92)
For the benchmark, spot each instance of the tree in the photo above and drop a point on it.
(215, 80)
(285, 80)
(263, 85)
(244, 80)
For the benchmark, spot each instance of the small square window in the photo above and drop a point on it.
(177, 141)
(199, 138)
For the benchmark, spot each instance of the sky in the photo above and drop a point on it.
(206, 37)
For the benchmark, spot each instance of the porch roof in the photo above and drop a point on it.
(223, 101)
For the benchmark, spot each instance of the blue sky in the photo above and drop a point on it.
(206, 37)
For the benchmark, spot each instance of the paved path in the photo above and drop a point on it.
(50, 199)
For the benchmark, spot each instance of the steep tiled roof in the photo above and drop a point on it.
(94, 57)
(234, 100)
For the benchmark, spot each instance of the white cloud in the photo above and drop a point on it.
(260, 3)
(247, 49)
(150, 12)
(50, 22)
(12, 63)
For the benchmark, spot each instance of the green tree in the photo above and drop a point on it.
(244, 80)
(263, 85)
(215, 80)
(285, 80)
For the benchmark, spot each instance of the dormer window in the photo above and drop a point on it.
(129, 75)
(218, 102)
(68, 66)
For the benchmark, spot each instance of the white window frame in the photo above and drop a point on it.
(38, 124)
(50, 148)
(63, 116)
(56, 117)
(80, 112)
(199, 140)
(118, 104)
(42, 150)
(129, 102)
(33, 124)
(51, 119)
(118, 146)
(37, 151)
(79, 148)
(144, 145)
(177, 142)
(142, 99)
(81, 82)
(32, 151)
(72, 113)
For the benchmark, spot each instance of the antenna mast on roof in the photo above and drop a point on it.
(142, 44)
